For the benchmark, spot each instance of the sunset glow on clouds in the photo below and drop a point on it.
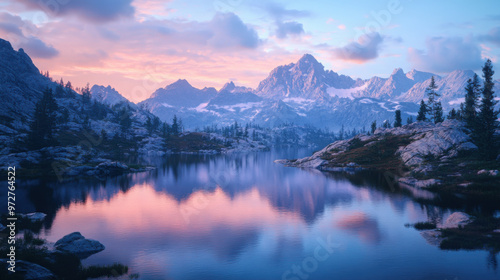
(138, 46)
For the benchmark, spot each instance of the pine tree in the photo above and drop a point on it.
(86, 94)
(432, 96)
(156, 123)
(149, 126)
(422, 112)
(409, 120)
(452, 115)
(438, 113)
(175, 126)
(398, 122)
(374, 126)
(487, 123)
(342, 133)
(472, 94)
(44, 120)
(125, 119)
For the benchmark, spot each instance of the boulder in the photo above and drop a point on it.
(76, 244)
(445, 140)
(30, 271)
(457, 219)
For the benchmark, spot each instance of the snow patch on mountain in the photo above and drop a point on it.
(345, 93)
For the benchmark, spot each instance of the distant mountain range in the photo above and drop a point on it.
(304, 93)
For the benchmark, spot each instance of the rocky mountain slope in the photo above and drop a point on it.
(108, 95)
(20, 83)
(304, 93)
(90, 134)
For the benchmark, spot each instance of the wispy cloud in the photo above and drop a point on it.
(445, 54)
(365, 49)
(493, 36)
(19, 33)
(286, 20)
(90, 10)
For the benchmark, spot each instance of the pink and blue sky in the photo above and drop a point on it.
(138, 46)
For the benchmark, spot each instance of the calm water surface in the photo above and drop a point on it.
(245, 217)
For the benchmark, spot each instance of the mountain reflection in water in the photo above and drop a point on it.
(243, 216)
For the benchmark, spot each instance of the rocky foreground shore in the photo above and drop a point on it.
(420, 154)
(35, 258)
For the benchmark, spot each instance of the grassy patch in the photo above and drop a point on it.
(379, 155)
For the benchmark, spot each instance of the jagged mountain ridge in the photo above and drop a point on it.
(22, 85)
(107, 95)
(305, 93)
(306, 79)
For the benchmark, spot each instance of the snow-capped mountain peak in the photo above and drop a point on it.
(307, 64)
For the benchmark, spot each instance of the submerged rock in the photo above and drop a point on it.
(76, 244)
(457, 219)
(30, 271)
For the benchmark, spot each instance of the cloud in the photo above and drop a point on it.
(10, 27)
(91, 10)
(229, 31)
(37, 48)
(285, 20)
(289, 28)
(492, 37)
(139, 56)
(365, 49)
(279, 11)
(445, 54)
(21, 35)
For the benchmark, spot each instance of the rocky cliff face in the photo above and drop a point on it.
(305, 79)
(20, 83)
